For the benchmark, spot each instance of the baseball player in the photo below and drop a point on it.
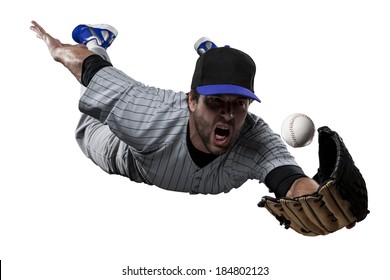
(203, 141)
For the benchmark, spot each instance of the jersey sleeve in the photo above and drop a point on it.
(263, 150)
(146, 118)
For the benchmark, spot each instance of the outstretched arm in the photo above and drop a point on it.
(71, 56)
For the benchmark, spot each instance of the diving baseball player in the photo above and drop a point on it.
(203, 141)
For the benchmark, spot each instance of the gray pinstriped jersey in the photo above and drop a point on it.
(153, 124)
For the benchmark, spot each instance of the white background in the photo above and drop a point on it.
(61, 217)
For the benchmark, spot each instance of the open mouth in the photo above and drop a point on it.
(221, 133)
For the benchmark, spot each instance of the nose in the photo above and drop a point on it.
(227, 111)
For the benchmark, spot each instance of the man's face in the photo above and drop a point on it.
(215, 120)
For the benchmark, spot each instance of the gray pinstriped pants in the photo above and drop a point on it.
(100, 145)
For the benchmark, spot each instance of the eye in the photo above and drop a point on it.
(214, 101)
(241, 103)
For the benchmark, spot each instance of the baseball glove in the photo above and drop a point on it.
(340, 201)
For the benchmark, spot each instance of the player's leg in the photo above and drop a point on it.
(95, 139)
(106, 150)
(97, 38)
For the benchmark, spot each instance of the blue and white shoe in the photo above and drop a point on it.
(103, 34)
(203, 45)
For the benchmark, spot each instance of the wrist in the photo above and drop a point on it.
(302, 186)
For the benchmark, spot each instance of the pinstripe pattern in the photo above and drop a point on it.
(153, 124)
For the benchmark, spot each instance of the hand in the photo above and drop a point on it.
(52, 43)
(71, 56)
(302, 186)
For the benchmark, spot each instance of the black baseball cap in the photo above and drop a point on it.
(225, 70)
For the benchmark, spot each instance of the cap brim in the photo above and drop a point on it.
(226, 89)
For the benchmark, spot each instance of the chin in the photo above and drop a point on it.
(218, 150)
(217, 147)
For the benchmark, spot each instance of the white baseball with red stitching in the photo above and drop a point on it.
(298, 130)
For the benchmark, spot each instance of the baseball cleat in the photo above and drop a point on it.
(203, 45)
(103, 34)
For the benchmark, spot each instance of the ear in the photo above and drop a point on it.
(192, 101)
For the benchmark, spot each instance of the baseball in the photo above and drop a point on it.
(298, 130)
